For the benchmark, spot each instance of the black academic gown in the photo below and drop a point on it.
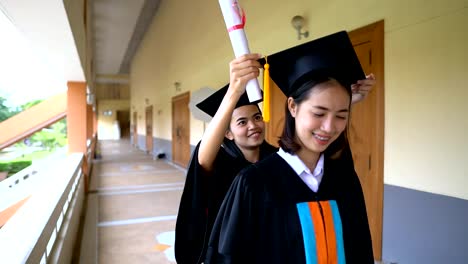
(260, 221)
(202, 197)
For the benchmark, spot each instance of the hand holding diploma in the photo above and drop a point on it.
(234, 18)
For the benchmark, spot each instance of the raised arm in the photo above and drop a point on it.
(242, 70)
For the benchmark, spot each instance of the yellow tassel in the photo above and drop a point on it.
(266, 91)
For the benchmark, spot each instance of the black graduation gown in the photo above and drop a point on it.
(262, 217)
(202, 197)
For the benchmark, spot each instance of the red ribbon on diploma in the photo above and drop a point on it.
(242, 16)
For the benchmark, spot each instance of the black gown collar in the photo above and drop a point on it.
(233, 150)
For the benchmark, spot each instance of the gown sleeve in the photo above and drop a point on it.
(360, 249)
(192, 215)
(229, 241)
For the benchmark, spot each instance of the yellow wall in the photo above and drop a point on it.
(426, 125)
(106, 124)
(425, 72)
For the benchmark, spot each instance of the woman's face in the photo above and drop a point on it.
(321, 118)
(247, 128)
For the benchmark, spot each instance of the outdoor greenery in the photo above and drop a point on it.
(37, 146)
(52, 137)
(5, 111)
(49, 138)
(13, 167)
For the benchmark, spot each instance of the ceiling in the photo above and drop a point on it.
(117, 28)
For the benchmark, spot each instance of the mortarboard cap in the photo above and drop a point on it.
(211, 104)
(332, 55)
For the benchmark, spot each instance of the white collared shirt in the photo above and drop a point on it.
(312, 179)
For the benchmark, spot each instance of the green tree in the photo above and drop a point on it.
(30, 104)
(5, 111)
(52, 137)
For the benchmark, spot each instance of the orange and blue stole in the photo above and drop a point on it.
(322, 232)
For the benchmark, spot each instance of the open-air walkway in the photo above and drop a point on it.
(137, 200)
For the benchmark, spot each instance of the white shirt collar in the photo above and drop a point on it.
(298, 166)
(312, 179)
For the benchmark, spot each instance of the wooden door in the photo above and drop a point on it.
(123, 117)
(181, 129)
(149, 129)
(366, 128)
(135, 128)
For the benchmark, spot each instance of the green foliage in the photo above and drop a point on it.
(49, 138)
(13, 167)
(30, 104)
(5, 111)
(52, 137)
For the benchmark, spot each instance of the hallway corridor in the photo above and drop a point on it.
(137, 201)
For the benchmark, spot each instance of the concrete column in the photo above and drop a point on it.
(77, 123)
(76, 117)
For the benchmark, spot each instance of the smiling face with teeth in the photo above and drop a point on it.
(320, 118)
(247, 128)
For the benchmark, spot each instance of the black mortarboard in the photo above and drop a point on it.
(211, 104)
(332, 55)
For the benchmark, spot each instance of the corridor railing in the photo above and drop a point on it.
(17, 187)
(44, 229)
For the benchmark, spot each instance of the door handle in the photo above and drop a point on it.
(178, 132)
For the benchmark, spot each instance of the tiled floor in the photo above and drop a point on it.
(138, 198)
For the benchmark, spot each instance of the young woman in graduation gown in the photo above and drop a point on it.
(303, 204)
(233, 140)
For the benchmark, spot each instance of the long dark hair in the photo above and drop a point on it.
(288, 141)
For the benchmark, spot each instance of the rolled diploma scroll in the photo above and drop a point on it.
(235, 26)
